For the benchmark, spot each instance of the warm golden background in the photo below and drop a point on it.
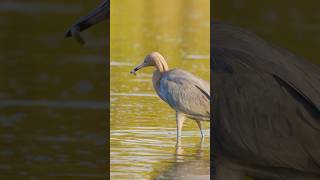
(52, 92)
(143, 127)
(291, 24)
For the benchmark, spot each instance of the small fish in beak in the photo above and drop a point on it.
(97, 15)
(133, 71)
(75, 32)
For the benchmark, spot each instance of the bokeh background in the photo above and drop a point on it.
(290, 24)
(53, 120)
(143, 127)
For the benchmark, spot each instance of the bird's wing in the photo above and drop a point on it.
(186, 93)
(299, 73)
(267, 106)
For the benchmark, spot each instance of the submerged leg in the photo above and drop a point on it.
(200, 127)
(180, 119)
(179, 152)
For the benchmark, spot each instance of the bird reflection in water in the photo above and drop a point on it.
(196, 168)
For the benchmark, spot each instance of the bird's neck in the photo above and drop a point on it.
(156, 79)
(161, 65)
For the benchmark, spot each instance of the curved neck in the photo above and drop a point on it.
(161, 65)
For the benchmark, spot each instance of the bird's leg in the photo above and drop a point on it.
(178, 152)
(199, 149)
(180, 119)
(200, 127)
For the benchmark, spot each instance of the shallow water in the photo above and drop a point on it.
(52, 93)
(143, 128)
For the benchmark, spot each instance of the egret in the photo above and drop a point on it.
(187, 94)
(266, 109)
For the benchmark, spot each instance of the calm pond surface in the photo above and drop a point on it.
(143, 127)
(52, 92)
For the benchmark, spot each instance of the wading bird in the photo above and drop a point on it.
(102, 12)
(266, 109)
(187, 94)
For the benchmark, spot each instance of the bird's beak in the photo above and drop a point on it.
(97, 15)
(137, 68)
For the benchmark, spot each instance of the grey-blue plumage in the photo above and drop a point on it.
(187, 94)
(266, 109)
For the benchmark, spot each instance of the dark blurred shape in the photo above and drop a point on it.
(266, 109)
(53, 107)
(99, 14)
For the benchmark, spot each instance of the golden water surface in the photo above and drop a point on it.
(143, 127)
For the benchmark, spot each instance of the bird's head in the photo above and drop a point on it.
(97, 15)
(153, 59)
